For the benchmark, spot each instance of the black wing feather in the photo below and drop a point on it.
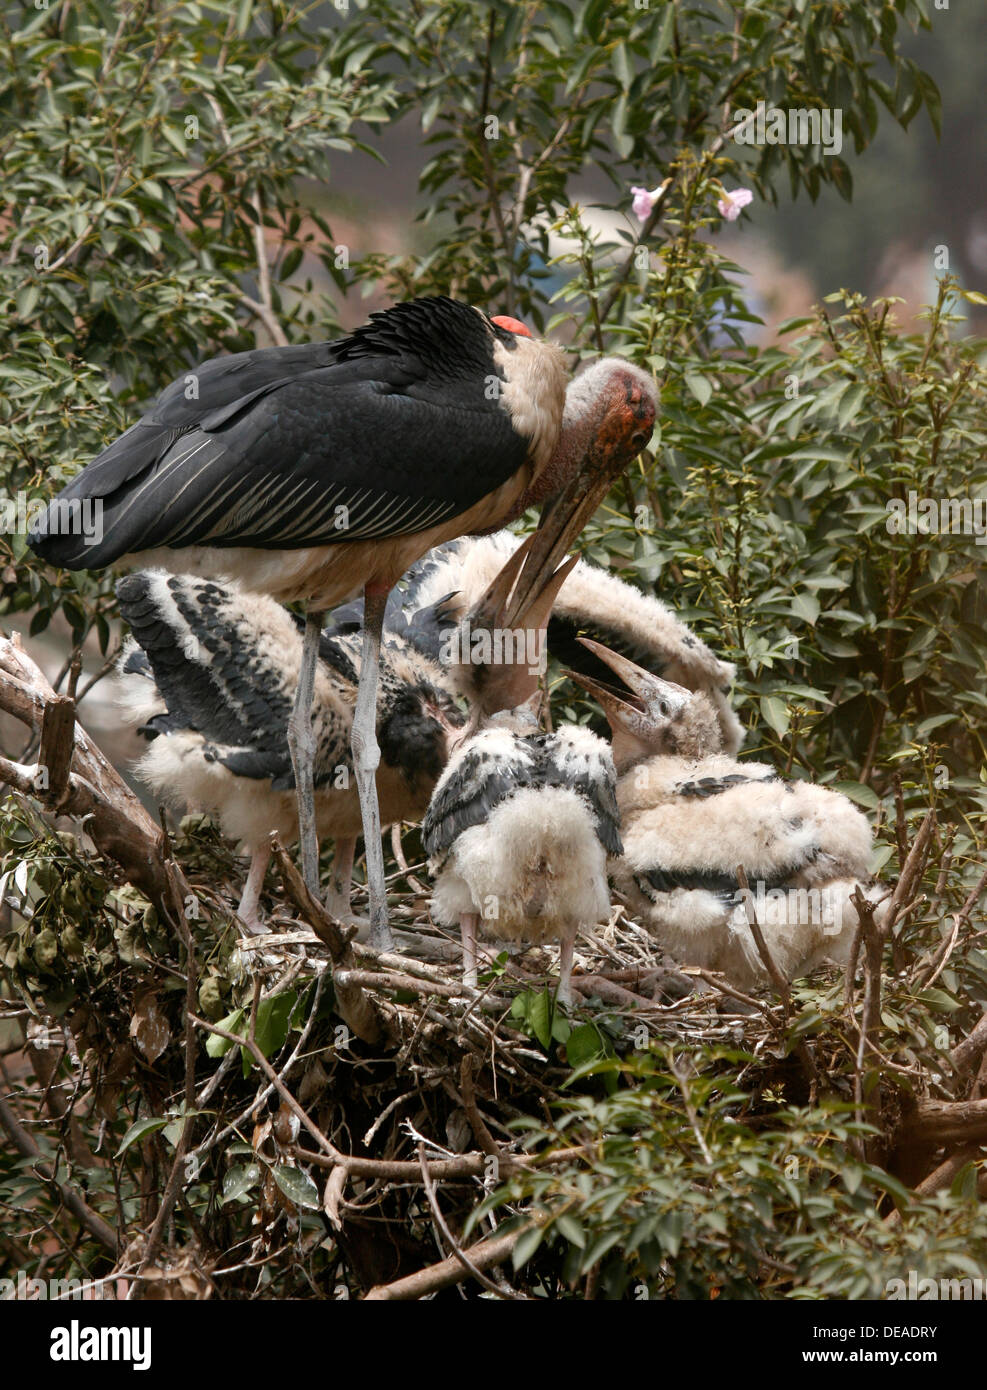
(228, 699)
(385, 433)
(477, 785)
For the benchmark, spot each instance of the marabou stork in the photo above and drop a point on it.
(311, 472)
(436, 609)
(521, 822)
(211, 677)
(690, 814)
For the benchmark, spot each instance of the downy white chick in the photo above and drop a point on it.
(690, 815)
(211, 678)
(521, 822)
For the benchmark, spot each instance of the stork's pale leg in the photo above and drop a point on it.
(249, 909)
(366, 757)
(468, 923)
(301, 745)
(564, 995)
(341, 879)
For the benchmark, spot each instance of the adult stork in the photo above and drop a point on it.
(210, 677)
(314, 471)
(690, 815)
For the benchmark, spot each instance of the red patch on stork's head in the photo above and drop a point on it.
(510, 325)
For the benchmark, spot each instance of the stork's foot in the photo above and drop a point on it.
(366, 759)
(301, 746)
(340, 910)
(249, 911)
(253, 925)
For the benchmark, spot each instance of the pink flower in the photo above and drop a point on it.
(644, 202)
(730, 204)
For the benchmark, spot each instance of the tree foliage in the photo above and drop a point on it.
(162, 201)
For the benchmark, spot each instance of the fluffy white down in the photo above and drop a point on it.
(538, 850)
(804, 925)
(802, 929)
(135, 695)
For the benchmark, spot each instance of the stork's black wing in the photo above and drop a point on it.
(385, 433)
(473, 787)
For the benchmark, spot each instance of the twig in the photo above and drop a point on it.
(81, 1210)
(484, 1255)
(361, 1013)
(458, 1253)
(777, 978)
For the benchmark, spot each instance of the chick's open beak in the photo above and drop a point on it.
(644, 702)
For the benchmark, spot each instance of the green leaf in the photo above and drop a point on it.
(239, 1180)
(540, 1018)
(140, 1129)
(273, 1018)
(856, 791)
(569, 1227)
(806, 606)
(297, 1186)
(699, 386)
(584, 1045)
(663, 34)
(526, 1245)
(232, 1023)
(852, 1177)
(774, 712)
(244, 13)
(850, 404)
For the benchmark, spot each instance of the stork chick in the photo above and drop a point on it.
(211, 681)
(521, 823)
(690, 814)
(442, 589)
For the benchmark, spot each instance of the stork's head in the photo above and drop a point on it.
(610, 410)
(422, 726)
(650, 716)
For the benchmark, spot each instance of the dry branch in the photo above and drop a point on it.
(93, 790)
(484, 1255)
(355, 1007)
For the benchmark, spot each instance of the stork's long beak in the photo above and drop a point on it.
(517, 659)
(646, 700)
